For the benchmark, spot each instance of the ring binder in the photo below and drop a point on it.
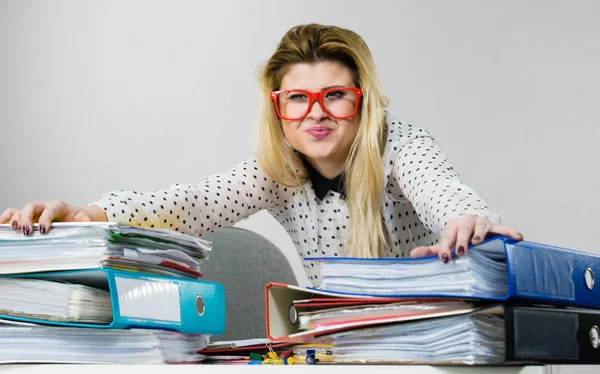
(147, 301)
(500, 269)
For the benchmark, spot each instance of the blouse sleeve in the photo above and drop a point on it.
(220, 200)
(423, 175)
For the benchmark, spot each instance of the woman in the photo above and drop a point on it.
(341, 175)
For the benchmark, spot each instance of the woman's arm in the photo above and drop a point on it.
(423, 175)
(220, 200)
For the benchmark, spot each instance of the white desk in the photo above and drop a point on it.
(317, 369)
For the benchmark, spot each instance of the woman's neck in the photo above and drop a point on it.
(328, 169)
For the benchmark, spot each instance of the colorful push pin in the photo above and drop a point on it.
(311, 358)
(256, 356)
(255, 362)
(288, 360)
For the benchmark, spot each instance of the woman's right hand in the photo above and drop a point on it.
(46, 212)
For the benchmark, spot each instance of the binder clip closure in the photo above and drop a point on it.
(272, 358)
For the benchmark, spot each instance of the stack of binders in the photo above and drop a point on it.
(105, 293)
(505, 302)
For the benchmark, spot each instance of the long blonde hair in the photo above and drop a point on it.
(316, 43)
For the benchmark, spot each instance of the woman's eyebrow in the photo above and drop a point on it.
(329, 87)
(322, 89)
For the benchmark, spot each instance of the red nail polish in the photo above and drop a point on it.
(42, 229)
(476, 238)
(26, 230)
(15, 224)
(460, 250)
(445, 258)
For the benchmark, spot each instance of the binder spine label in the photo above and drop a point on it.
(541, 272)
(545, 335)
(154, 300)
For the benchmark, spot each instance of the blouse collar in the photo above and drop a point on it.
(323, 185)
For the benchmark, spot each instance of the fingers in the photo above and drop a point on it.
(11, 216)
(481, 230)
(465, 232)
(44, 212)
(448, 241)
(6, 216)
(28, 214)
(53, 210)
(506, 231)
(82, 216)
(424, 251)
(460, 232)
(16, 220)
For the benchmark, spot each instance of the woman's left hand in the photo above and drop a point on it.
(460, 232)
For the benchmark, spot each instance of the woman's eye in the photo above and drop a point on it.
(297, 97)
(335, 95)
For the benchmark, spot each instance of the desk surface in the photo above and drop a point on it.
(328, 369)
(320, 369)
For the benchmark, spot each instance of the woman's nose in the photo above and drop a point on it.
(316, 112)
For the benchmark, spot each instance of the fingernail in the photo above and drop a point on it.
(42, 229)
(460, 250)
(26, 230)
(15, 224)
(445, 258)
(476, 238)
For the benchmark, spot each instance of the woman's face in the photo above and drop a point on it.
(323, 140)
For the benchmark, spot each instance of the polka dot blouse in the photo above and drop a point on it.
(422, 193)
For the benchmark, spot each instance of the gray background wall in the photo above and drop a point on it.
(102, 95)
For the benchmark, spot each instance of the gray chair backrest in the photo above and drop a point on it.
(244, 262)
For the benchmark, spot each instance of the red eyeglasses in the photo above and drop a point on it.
(340, 103)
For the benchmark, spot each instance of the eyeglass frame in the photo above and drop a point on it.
(317, 96)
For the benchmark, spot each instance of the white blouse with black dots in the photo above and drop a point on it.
(422, 193)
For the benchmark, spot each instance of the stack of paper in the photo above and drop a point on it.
(464, 339)
(519, 298)
(36, 344)
(352, 315)
(105, 293)
(87, 245)
(54, 301)
(480, 272)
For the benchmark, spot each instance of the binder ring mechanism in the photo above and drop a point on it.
(589, 278)
(595, 337)
(199, 304)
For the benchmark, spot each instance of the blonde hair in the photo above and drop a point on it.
(314, 43)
